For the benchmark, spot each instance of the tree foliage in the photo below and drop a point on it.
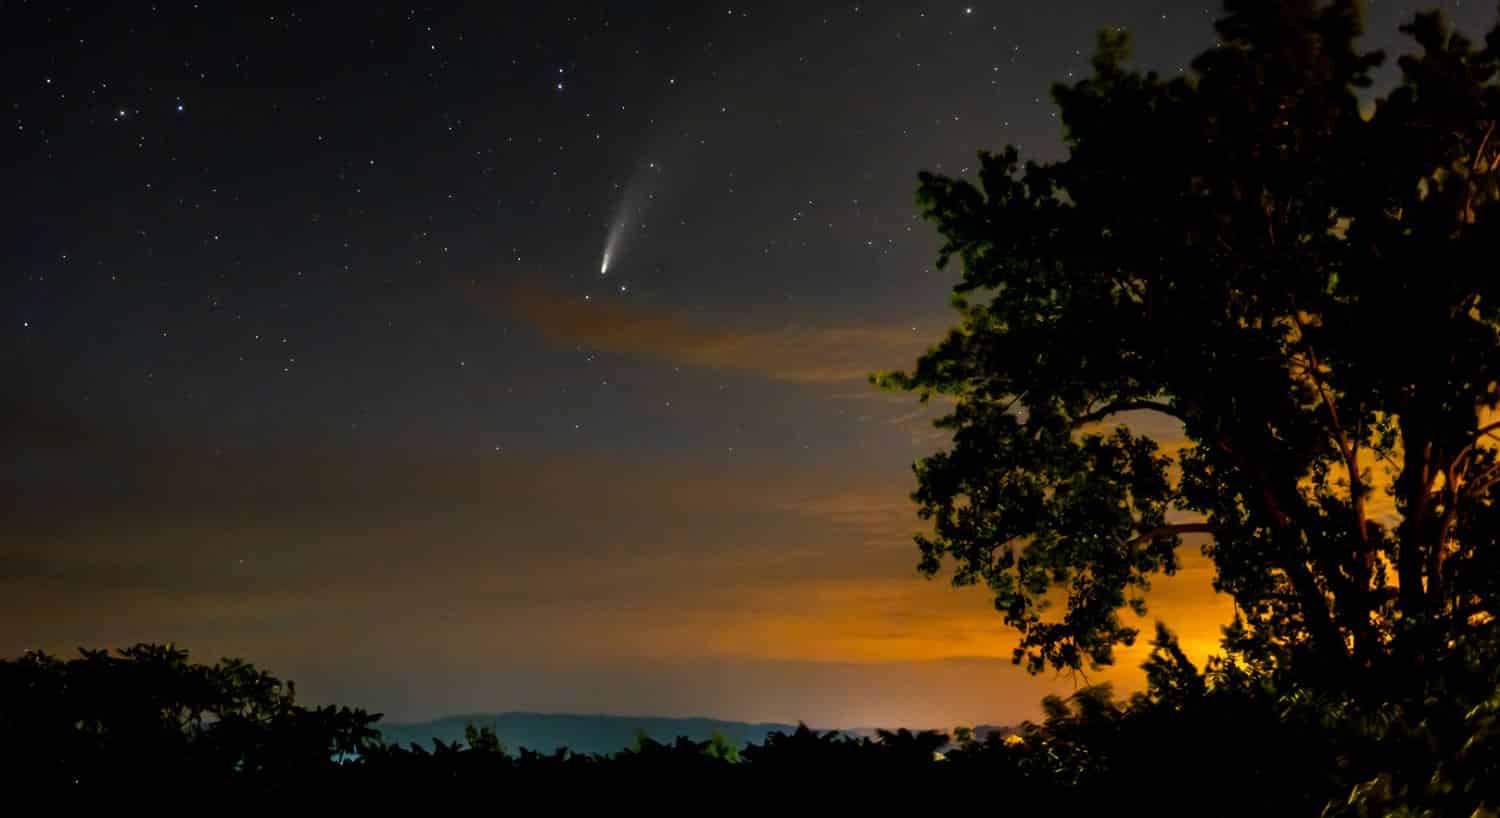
(1297, 286)
(102, 720)
(1222, 741)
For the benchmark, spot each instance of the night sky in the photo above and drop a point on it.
(310, 353)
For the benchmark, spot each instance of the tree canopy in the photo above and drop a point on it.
(1299, 280)
(103, 720)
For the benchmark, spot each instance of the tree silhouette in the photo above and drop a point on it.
(105, 724)
(1299, 288)
(102, 719)
(482, 739)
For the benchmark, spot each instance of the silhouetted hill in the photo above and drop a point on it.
(604, 734)
(545, 732)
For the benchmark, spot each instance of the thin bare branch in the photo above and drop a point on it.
(1117, 407)
(1474, 164)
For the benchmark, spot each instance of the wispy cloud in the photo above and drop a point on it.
(797, 353)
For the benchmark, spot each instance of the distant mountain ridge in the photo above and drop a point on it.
(581, 733)
(598, 733)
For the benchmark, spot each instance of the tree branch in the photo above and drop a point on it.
(1316, 607)
(1117, 407)
(1483, 482)
(1487, 430)
(1169, 530)
(1468, 214)
(1348, 448)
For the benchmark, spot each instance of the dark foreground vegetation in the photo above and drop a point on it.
(1224, 742)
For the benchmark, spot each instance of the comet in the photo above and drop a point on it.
(618, 229)
(616, 235)
(633, 201)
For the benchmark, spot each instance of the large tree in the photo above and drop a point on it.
(1304, 285)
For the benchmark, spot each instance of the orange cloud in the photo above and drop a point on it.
(806, 354)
